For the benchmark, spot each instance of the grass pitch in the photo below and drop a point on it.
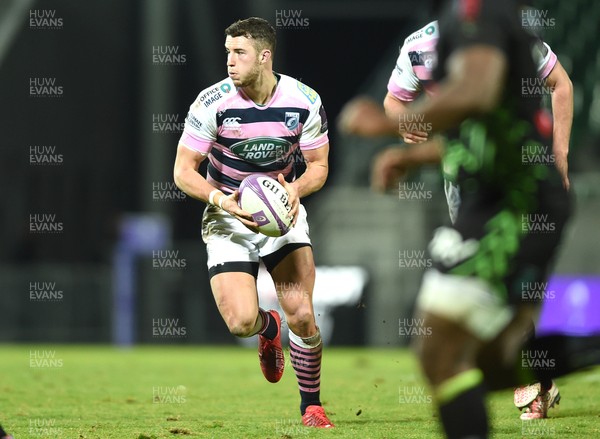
(84, 392)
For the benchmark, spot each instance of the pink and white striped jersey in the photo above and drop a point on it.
(414, 66)
(241, 137)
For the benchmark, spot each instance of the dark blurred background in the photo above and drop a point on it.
(91, 110)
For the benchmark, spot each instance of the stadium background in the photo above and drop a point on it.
(89, 150)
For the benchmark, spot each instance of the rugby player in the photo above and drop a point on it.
(411, 78)
(259, 121)
(471, 298)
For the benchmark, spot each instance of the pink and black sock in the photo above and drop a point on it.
(269, 325)
(305, 356)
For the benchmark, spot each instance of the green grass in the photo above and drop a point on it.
(103, 392)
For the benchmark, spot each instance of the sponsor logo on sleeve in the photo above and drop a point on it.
(211, 96)
(414, 37)
(225, 88)
(193, 121)
(308, 92)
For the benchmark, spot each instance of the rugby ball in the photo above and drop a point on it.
(267, 201)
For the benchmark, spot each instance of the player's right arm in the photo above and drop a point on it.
(189, 180)
(186, 175)
(195, 144)
(404, 87)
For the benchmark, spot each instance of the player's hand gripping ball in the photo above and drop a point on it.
(267, 201)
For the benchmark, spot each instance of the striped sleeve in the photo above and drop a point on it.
(545, 59)
(404, 83)
(314, 131)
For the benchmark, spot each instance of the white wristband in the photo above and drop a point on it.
(223, 196)
(211, 196)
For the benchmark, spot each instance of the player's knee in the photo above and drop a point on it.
(241, 326)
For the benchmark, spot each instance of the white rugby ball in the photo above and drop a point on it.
(267, 201)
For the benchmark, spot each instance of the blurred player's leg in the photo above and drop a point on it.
(294, 277)
(4, 435)
(448, 362)
(465, 319)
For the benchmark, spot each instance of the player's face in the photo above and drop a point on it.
(243, 66)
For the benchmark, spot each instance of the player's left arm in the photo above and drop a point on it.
(313, 178)
(562, 108)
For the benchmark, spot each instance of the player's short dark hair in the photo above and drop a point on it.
(259, 29)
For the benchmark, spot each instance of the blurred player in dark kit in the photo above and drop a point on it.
(472, 297)
(412, 78)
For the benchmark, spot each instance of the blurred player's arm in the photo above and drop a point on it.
(562, 109)
(313, 178)
(189, 180)
(474, 84)
(363, 116)
(394, 109)
(394, 163)
(393, 106)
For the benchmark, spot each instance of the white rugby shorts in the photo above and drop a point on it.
(467, 301)
(228, 240)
